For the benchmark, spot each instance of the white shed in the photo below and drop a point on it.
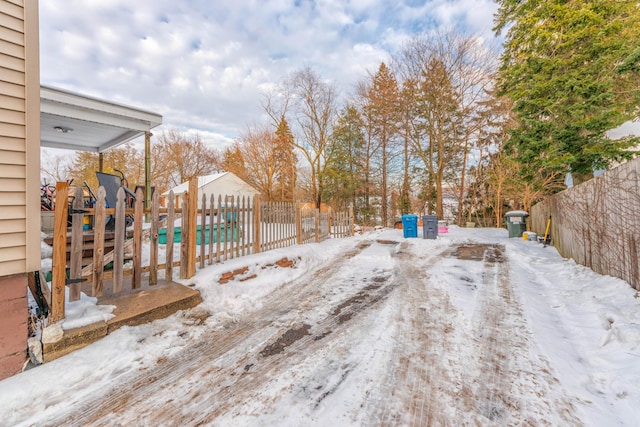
(224, 184)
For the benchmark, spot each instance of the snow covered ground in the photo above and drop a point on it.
(473, 328)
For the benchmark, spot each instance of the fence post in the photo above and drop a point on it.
(184, 237)
(203, 229)
(75, 262)
(58, 278)
(170, 230)
(211, 227)
(138, 218)
(218, 227)
(118, 245)
(256, 224)
(351, 222)
(192, 212)
(317, 218)
(153, 250)
(98, 243)
(241, 229)
(299, 225)
(225, 213)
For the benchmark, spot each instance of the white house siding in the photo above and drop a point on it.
(19, 138)
(223, 184)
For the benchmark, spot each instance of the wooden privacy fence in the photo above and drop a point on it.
(597, 223)
(221, 228)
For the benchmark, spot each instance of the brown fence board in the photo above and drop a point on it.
(98, 244)
(75, 260)
(596, 223)
(237, 225)
(170, 236)
(153, 250)
(136, 282)
(118, 248)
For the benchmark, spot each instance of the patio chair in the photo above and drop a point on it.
(112, 184)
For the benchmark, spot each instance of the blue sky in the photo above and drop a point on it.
(204, 64)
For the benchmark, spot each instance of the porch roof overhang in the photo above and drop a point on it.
(78, 122)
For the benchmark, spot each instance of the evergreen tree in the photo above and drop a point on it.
(287, 161)
(344, 170)
(570, 68)
(384, 106)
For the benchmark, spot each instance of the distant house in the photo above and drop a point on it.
(224, 184)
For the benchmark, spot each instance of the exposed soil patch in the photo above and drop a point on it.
(469, 252)
(387, 242)
(359, 301)
(479, 252)
(288, 338)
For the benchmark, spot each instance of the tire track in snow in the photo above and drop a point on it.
(416, 383)
(433, 383)
(508, 367)
(429, 383)
(213, 360)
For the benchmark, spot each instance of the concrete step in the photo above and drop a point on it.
(136, 308)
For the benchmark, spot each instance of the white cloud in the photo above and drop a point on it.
(203, 65)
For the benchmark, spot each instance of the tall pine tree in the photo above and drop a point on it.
(569, 68)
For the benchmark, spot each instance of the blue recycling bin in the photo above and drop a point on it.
(410, 225)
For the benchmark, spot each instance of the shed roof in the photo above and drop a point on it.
(78, 122)
(223, 178)
(202, 181)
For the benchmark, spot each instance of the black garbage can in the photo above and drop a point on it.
(516, 222)
(429, 226)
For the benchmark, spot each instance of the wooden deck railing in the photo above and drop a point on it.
(220, 228)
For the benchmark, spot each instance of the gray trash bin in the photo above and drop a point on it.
(429, 226)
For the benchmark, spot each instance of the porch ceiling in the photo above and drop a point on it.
(77, 122)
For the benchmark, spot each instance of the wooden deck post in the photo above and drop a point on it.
(98, 243)
(58, 279)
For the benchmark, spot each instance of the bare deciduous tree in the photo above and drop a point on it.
(178, 157)
(449, 74)
(125, 159)
(311, 101)
(258, 146)
(54, 168)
